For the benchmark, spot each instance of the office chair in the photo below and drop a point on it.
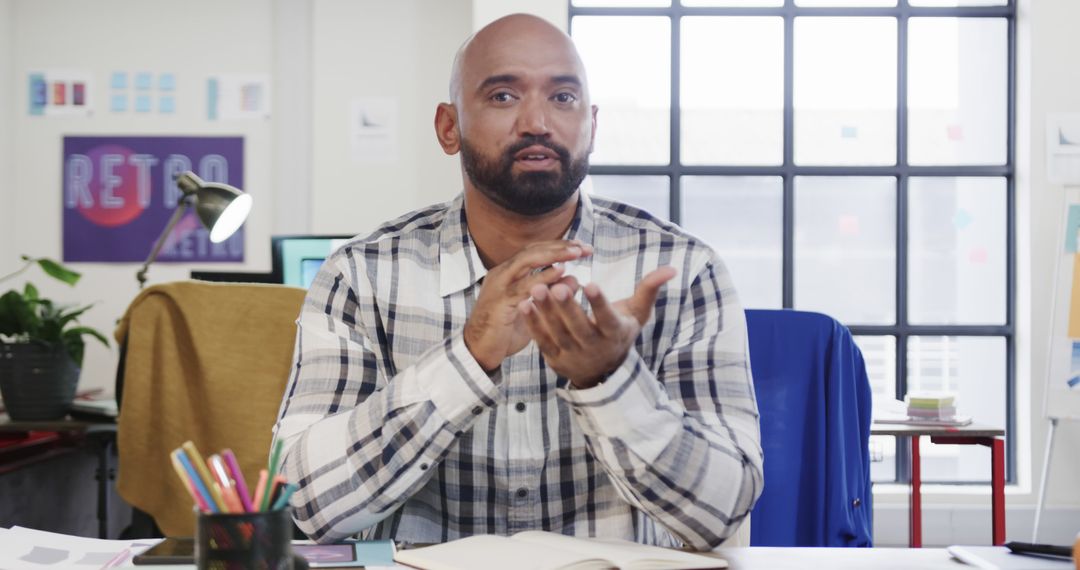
(814, 399)
(201, 361)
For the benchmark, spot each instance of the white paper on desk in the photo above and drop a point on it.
(1000, 558)
(29, 549)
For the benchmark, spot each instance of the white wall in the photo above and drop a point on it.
(1055, 82)
(371, 48)
(191, 39)
(7, 187)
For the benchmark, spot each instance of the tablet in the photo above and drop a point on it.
(367, 553)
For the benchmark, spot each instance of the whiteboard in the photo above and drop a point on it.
(1061, 397)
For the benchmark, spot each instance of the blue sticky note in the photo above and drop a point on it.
(1071, 227)
(118, 103)
(144, 80)
(142, 104)
(167, 104)
(39, 94)
(849, 132)
(118, 80)
(962, 219)
(166, 82)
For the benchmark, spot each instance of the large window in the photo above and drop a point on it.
(853, 157)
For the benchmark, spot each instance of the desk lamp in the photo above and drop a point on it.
(221, 208)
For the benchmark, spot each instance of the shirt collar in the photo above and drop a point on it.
(459, 261)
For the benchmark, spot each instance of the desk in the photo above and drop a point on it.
(772, 558)
(101, 435)
(972, 434)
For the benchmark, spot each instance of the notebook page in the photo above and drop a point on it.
(624, 553)
(487, 552)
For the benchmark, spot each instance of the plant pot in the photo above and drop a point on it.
(37, 381)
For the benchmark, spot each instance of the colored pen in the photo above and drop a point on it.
(228, 488)
(203, 472)
(188, 483)
(260, 487)
(286, 493)
(196, 480)
(238, 477)
(117, 560)
(275, 456)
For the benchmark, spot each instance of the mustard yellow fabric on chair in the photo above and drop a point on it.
(206, 362)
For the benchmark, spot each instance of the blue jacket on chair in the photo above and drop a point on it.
(814, 399)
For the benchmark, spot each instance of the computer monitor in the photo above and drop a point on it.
(296, 259)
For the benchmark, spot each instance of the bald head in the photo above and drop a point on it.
(511, 36)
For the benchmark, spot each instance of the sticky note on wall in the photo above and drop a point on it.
(1074, 300)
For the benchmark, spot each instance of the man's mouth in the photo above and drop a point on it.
(536, 157)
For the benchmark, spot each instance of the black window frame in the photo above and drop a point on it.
(902, 172)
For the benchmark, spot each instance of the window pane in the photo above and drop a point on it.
(741, 217)
(732, 90)
(845, 2)
(650, 193)
(845, 247)
(740, 3)
(957, 243)
(957, 90)
(845, 91)
(879, 353)
(958, 2)
(622, 3)
(628, 61)
(974, 369)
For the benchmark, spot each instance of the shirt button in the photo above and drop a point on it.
(476, 411)
(423, 466)
(857, 502)
(520, 406)
(522, 493)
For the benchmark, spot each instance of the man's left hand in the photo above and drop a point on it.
(586, 348)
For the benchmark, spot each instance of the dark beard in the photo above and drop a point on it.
(530, 193)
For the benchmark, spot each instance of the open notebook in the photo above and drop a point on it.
(537, 550)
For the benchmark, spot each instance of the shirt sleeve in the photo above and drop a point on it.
(682, 444)
(355, 442)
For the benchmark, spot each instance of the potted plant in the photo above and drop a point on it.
(41, 347)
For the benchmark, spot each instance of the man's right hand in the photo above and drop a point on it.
(496, 329)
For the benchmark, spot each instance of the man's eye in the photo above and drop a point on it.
(565, 98)
(501, 97)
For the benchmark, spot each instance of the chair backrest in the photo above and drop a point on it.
(206, 362)
(814, 398)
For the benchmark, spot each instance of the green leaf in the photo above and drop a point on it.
(65, 316)
(59, 271)
(30, 293)
(75, 347)
(77, 332)
(17, 316)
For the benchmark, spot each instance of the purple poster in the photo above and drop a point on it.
(119, 193)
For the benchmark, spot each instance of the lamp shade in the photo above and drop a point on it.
(220, 207)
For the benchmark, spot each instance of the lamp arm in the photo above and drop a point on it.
(177, 214)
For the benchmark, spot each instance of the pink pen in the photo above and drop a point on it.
(238, 477)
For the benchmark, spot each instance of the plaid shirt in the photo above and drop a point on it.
(393, 429)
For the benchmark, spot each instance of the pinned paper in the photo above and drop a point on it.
(144, 80)
(60, 93)
(1074, 300)
(954, 132)
(849, 132)
(142, 104)
(167, 105)
(848, 225)
(118, 103)
(962, 219)
(118, 80)
(977, 255)
(1072, 226)
(166, 82)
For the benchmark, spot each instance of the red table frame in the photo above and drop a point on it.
(966, 435)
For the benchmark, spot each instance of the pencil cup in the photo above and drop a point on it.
(249, 541)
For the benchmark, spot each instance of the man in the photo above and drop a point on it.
(462, 370)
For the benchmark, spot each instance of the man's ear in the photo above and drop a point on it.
(446, 128)
(592, 135)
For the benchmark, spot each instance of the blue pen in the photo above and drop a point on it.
(283, 500)
(182, 456)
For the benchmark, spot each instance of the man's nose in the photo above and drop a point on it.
(532, 118)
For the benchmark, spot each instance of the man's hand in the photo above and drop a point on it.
(495, 328)
(582, 348)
